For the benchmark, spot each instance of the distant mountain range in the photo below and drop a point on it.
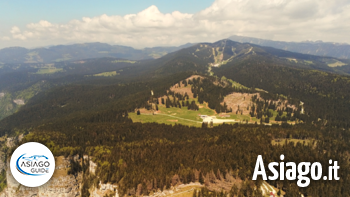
(313, 48)
(226, 52)
(59, 53)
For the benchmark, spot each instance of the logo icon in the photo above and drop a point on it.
(32, 164)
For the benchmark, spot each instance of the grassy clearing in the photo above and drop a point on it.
(237, 117)
(218, 57)
(184, 116)
(65, 57)
(106, 74)
(158, 55)
(187, 117)
(125, 61)
(308, 62)
(161, 119)
(336, 64)
(181, 191)
(236, 84)
(292, 60)
(173, 116)
(186, 191)
(295, 141)
(48, 70)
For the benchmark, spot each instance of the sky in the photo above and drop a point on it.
(149, 23)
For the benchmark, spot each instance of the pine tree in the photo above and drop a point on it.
(201, 180)
(278, 118)
(194, 193)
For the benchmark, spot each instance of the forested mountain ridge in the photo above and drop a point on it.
(27, 80)
(186, 57)
(199, 56)
(326, 95)
(195, 58)
(92, 120)
(59, 53)
(224, 58)
(319, 48)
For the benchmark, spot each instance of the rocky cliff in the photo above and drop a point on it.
(60, 185)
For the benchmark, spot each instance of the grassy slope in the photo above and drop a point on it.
(106, 74)
(184, 116)
(168, 115)
(49, 70)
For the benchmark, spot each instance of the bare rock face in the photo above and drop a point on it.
(60, 185)
(20, 137)
(139, 190)
(175, 180)
(19, 101)
(92, 167)
(104, 189)
(11, 141)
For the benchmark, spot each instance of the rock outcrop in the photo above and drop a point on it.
(104, 189)
(60, 185)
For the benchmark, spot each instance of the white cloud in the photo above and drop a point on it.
(15, 30)
(5, 38)
(288, 20)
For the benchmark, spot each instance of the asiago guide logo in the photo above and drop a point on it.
(32, 164)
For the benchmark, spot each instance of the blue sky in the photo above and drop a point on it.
(22, 12)
(148, 23)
